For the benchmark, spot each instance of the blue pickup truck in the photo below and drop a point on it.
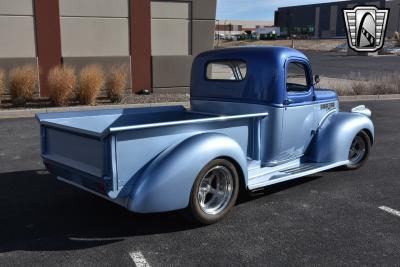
(256, 119)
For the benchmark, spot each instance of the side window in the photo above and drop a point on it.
(229, 70)
(296, 80)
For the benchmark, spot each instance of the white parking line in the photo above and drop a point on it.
(139, 259)
(390, 210)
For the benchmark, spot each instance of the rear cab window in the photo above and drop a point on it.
(226, 70)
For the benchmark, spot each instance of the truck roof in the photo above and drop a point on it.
(265, 74)
(264, 51)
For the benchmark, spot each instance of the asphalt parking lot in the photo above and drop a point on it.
(339, 65)
(332, 218)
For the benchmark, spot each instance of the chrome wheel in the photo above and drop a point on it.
(357, 150)
(215, 190)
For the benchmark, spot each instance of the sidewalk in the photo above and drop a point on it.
(26, 113)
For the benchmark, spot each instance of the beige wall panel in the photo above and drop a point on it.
(170, 10)
(204, 9)
(94, 8)
(94, 37)
(203, 35)
(171, 71)
(16, 7)
(17, 37)
(170, 37)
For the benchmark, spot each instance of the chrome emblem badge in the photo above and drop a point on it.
(366, 27)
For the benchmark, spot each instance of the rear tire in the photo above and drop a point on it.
(359, 151)
(214, 192)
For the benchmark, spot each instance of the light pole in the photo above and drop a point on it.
(218, 35)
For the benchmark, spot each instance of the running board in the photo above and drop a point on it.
(291, 172)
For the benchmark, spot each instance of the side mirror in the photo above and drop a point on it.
(316, 79)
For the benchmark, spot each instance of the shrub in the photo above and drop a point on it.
(2, 83)
(116, 83)
(397, 36)
(91, 80)
(23, 81)
(62, 82)
(359, 87)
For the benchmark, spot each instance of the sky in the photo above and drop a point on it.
(256, 9)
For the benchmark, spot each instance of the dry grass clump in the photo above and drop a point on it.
(397, 37)
(359, 87)
(91, 80)
(2, 82)
(341, 86)
(383, 84)
(62, 82)
(356, 84)
(117, 81)
(23, 81)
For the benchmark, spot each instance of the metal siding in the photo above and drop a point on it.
(204, 9)
(170, 37)
(333, 19)
(171, 71)
(94, 8)
(16, 7)
(172, 59)
(17, 37)
(82, 36)
(317, 19)
(170, 10)
(203, 36)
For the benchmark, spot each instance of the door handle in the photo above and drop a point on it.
(288, 101)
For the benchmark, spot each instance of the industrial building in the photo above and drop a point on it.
(326, 20)
(233, 27)
(157, 39)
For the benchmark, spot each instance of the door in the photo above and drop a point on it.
(298, 115)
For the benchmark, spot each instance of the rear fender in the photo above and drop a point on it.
(334, 137)
(167, 182)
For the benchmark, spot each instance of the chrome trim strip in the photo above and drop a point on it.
(174, 123)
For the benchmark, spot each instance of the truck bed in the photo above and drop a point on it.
(97, 123)
(109, 148)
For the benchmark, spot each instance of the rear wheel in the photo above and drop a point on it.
(359, 150)
(214, 192)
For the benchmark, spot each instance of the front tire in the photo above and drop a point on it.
(359, 151)
(214, 192)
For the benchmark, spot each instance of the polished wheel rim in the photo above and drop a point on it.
(215, 190)
(357, 150)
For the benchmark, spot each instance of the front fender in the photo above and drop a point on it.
(333, 139)
(167, 183)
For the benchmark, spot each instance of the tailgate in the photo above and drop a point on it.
(74, 150)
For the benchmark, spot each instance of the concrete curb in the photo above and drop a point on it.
(27, 113)
(369, 97)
